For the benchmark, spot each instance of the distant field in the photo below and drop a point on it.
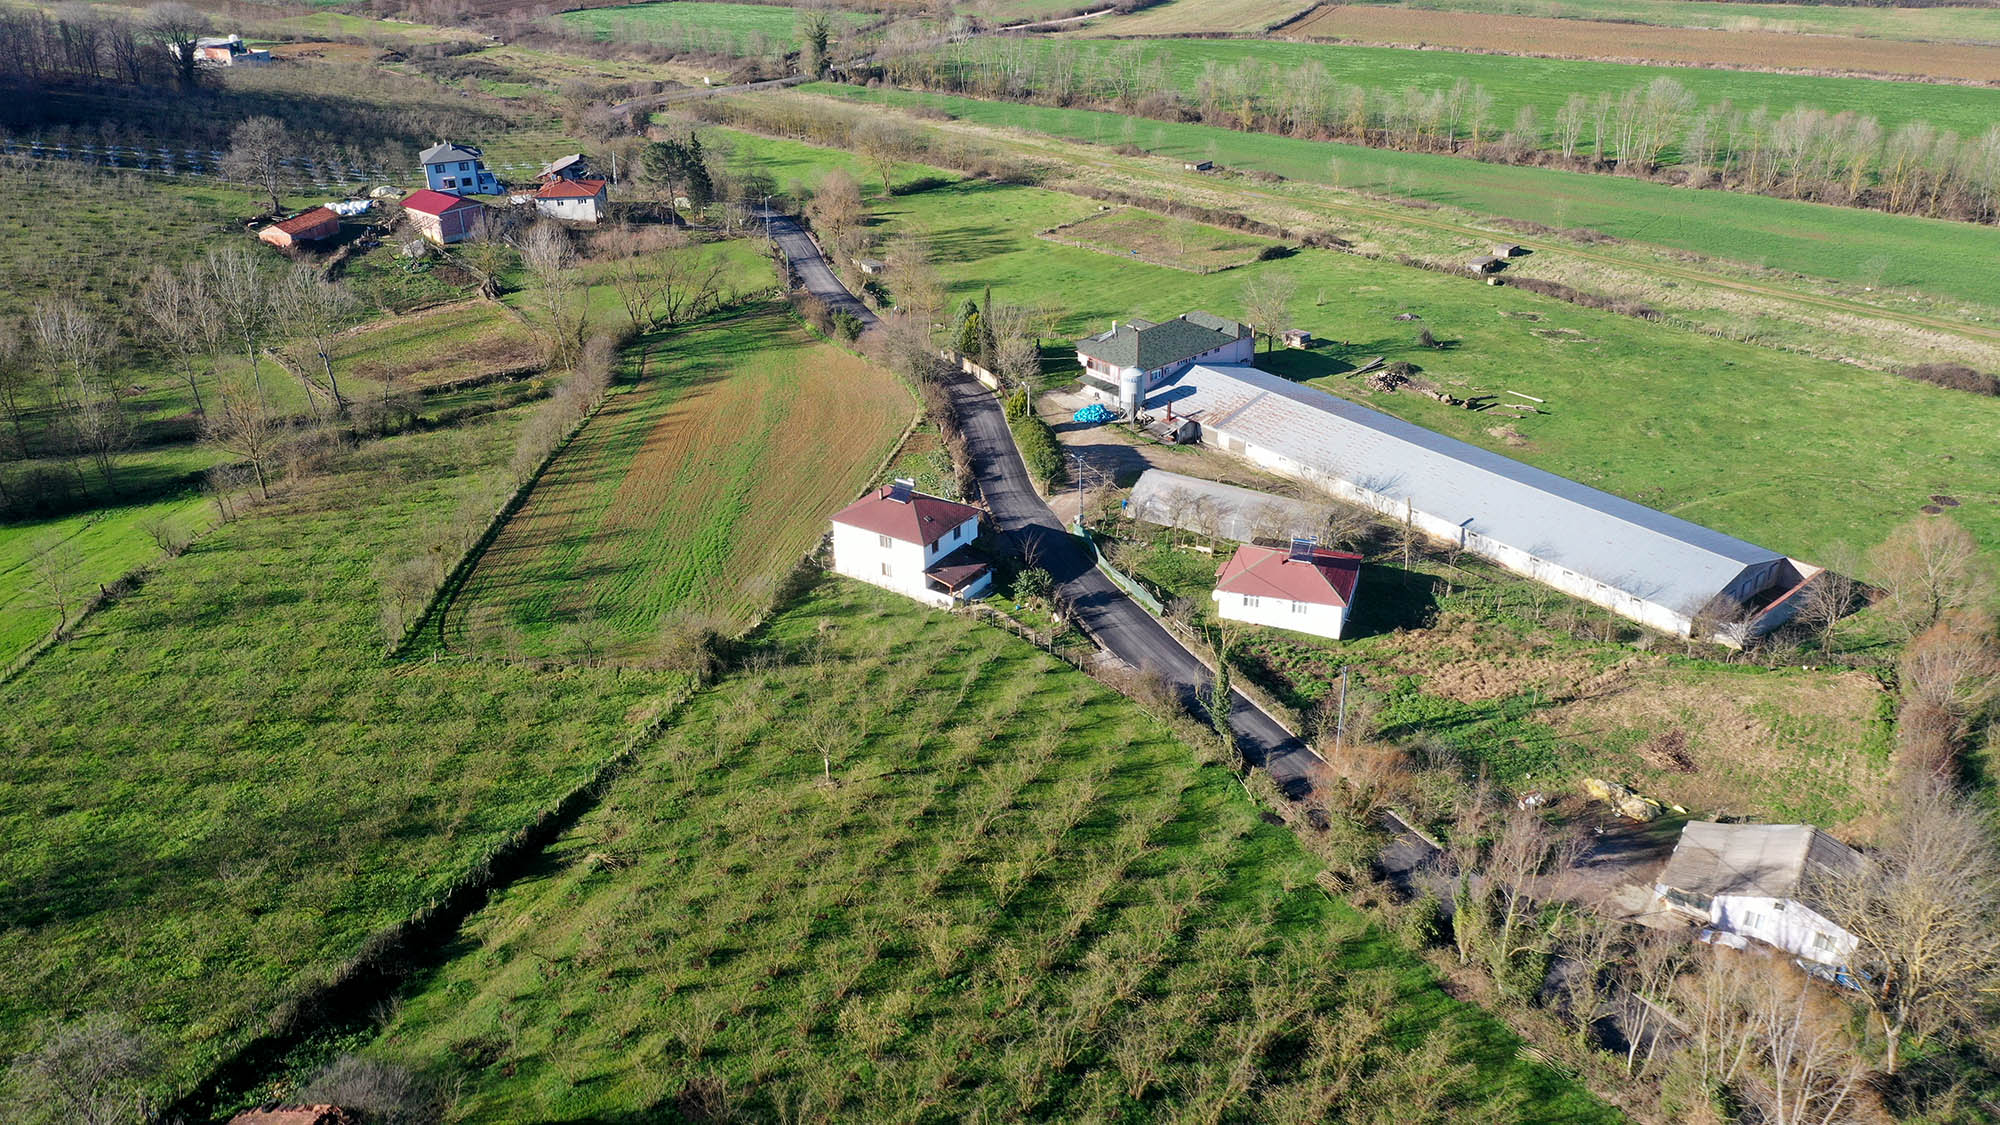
(1666, 417)
(690, 494)
(1183, 17)
(718, 28)
(1514, 82)
(1151, 237)
(1840, 243)
(1941, 24)
(1021, 898)
(1763, 50)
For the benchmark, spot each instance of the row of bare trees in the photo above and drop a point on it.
(1800, 153)
(104, 44)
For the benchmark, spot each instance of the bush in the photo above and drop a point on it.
(1033, 582)
(849, 325)
(1953, 376)
(1017, 405)
(1039, 450)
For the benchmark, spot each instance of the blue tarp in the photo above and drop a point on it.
(1095, 412)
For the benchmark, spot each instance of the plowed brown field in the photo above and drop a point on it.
(1625, 42)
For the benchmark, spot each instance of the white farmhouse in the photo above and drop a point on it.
(917, 545)
(1756, 881)
(579, 201)
(1306, 588)
(1126, 363)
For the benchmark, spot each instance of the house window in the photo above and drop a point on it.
(882, 541)
(885, 570)
(449, 182)
(1301, 607)
(1823, 942)
(464, 167)
(1751, 920)
(1249, 601)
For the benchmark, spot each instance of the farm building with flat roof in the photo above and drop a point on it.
(1654, 568)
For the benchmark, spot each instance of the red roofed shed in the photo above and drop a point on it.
(310, 226)
(441, 217)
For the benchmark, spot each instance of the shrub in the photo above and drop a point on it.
(1953, 376)
(1039, 450)
(1017, 405)
(1033, 582)
(849, 325)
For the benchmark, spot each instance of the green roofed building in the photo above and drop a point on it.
(1123, 364)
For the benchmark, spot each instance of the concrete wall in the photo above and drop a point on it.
(1787, 924)
(575, 210)
(1282, 613)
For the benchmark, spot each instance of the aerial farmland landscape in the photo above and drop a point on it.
(912, 561)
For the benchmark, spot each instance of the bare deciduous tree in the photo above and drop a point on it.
(242, 294)
(89, 1072)
(56, 582)
(256, 157)
(1267, 304)
(241, 424)
(836, 211)
(550, 256)
(174, 27)
(1928, 567)
(1925, 911)
(185, 323)
(316, 309)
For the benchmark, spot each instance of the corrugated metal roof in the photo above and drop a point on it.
(1242, 514)
(1770, 860)
(1150, 347)
(1648, 554)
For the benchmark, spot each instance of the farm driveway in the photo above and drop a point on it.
(812, 269)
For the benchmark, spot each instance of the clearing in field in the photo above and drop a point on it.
(1626, 42)
(1164, 241)
(438, 346)
(1195, 17)
(691, 494)
(1020, 898)
(1922, 25)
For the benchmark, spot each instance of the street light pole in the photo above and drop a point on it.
(1078, 458)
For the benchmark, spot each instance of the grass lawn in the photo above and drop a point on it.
(1022, 899)
(1541, 691)
(219, 791)
(1544, 83)
(689, 496)
(1164, 241)
(1950, 25)
(733, 29)
(102, 545)
(439, 345)
(1670, 418)
(1840, 243)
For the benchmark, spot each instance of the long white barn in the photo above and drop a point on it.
(1657, 569)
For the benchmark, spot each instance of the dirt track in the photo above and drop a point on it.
(1628, 42)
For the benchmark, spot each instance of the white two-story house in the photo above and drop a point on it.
(1759, 882)
(1307, 588)
(457, 169)
(917, 545)
(1128, 362)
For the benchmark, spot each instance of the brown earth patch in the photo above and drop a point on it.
(1626, 42)
(1457, 660)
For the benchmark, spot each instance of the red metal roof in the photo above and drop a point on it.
(430, 202)
(570, 189)
(1269, 572)
(924, 519)
(309, 220)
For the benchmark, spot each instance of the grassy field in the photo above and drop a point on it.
(1545, 84)
(1184, 17)
(1839, 243)
(1162, 240)
(1572, 38)
(1541, 691)
(734, 29)
(219, 790)
(1942, 25)
(439, 345)
(1020, 899)
(1651, 412)
(101, 544)
(689, 496)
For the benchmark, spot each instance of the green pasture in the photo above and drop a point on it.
(1839, 243)
(1940, 24)
(1669, 418)
(95, 547)
(220, 790)
(1515, 81)
(741, 29)
(1018, 897)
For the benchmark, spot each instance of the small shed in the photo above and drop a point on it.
(869, 266)
(1507, 250)
(1297, 338)
(440, 218)
(1761, 881)
(579, 201)
(1199, 166)
(1484, 264)
(309, 226)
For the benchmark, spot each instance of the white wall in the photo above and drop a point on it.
(578, 210)
(1794, 928)
(1283, 613)
(859, 553)
(1657, 616)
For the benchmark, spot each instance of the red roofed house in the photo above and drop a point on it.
(1304, 588)
(440, 217)
(313, 225)
(580, 201)
(917, 545)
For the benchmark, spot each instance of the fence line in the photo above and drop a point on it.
(1123, 581)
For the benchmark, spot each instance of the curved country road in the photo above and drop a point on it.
(1113, 620)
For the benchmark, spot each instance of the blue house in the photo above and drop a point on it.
(457, 169)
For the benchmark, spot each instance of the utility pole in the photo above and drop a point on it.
(1078, 458)
(1340, 723)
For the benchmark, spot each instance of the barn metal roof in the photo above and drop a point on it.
(1768, 860)
(1648, 554)
(1242, 514)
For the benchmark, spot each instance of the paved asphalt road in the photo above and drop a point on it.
(1114, 620)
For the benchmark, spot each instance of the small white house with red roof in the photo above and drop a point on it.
(442, 218)
(1307, 588)
(917, 545)
(579, 201)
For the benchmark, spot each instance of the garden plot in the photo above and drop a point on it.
(688, 497)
